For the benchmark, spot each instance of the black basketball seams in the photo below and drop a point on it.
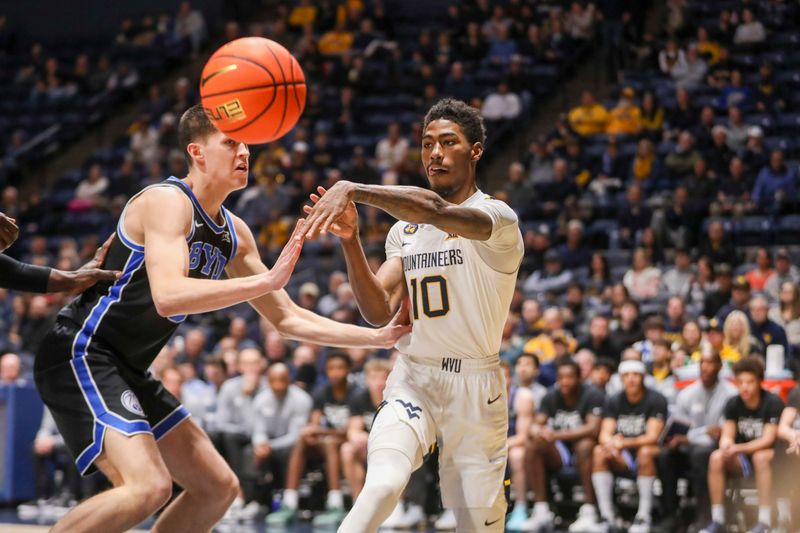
(285, 90)
(254, 88)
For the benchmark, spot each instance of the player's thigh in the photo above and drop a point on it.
(131, 459)
(621, 463)
(395, 431)
(483, 519)
(193, 461)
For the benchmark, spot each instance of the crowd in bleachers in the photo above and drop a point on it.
(658, 228)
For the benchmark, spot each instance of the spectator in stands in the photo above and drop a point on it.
(473, 46)
(281, 410)
(601, 374)
(392, 150)
(599, 276)
(786, 460)
(11, 370)
(552, 278)
(574, 252)
(501, 104)
(695, 70)
(733, 196)
(634, 216)
(686, 455)
(775, 186)
(589, 118)
(323, 436)
(678, 279)
(558, 191)
(519, 193)
(626, 117)
(750, 30)
(579, 21)
(458, 84)
(736, 93)
(302, 14)
(708, 48)
(337, 41)
(759, 276)
(599, 341)
(740, 297)
(652, 117)
(92, 188)
(563, 434)
(501, 46)
(585, 360)
(770, 96)
(627, 330)
(643, 280)
(764, 330)
(784, 271)
(632, 422)
(681, 161)
(661, 370)
(190, 24)
(717, 246)
(737, 130)
(645, 168)
(235, 414)
(738, 343)
(755, 156)
(718, 156)
(672, 60)
(746, 443)
(526, 373)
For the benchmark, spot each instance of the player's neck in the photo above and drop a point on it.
(209, 197)
(462, 194)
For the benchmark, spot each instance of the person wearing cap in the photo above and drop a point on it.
(701, 404)
(784, 271)
(740, 298)
(755, 154)
(628, 444)
(563, 434)
(552, 278)
(776, 185)
(714, 338)
(589, 118)
(746, 444)
(626, 117)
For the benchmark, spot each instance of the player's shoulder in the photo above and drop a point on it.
(483, 200)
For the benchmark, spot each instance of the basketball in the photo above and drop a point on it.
(253, 90)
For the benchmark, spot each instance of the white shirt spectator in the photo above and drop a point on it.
(643, 284)
(93, 186)
(752, 32)
(392, 150)
(501, 105)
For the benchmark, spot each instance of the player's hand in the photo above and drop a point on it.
(715, 432)
(281, 271)
(546, 432)
(261, 452)
(794, 446)
(617, 442)
(332, 205)
(79, 280)
(8, 231)
(400, 325)
(346, 225)
(44, 446)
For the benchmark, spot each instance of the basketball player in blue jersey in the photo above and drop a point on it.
(456, 253)
(175, 240)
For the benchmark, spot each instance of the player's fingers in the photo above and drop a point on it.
(307, 208)
(322, 190)
(314, 197)
(318, 218)
(327, 223)
(104, 275)
(297, 232)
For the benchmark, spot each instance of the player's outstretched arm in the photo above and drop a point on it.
(412, 204)
(294, 322)
(167, 259)
(378, 294)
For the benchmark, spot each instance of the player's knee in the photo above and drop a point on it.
(599, 454)
(347, 452)
(584, 448)
(716, 460)
(516, 456)
(646, 454)
(153, 492)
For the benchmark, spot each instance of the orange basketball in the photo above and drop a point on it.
(253, 90)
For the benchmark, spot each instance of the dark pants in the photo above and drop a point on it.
(691, 463)
(73, 486)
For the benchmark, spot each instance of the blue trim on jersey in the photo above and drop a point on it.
(234, 239)
(211, 224)
(169, 422)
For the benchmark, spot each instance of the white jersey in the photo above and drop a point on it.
(460, 289)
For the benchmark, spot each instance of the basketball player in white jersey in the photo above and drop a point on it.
(455, 253)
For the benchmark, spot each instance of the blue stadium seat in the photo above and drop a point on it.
(753, 231)
(788, 230)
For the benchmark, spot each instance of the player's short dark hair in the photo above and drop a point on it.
(605, 362)
(338, 354)
(194, 126)
(467, 117)
(568, 362)
(532, 355)
(752, 364)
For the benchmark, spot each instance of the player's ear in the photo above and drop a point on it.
(195, 151)
(477, 151)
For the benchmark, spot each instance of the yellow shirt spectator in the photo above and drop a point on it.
(589, 118)
(336, 42)
(624, 120)
(303, 14)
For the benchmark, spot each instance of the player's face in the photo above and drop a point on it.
(226, 160)
(525, 370)
(567, 380)
(748, 385)
(448, 157)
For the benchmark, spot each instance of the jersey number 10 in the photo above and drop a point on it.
(425, 288)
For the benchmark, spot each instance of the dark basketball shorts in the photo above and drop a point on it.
(89, 390)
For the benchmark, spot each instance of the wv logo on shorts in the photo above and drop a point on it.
(131, 403)
(411, 409)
